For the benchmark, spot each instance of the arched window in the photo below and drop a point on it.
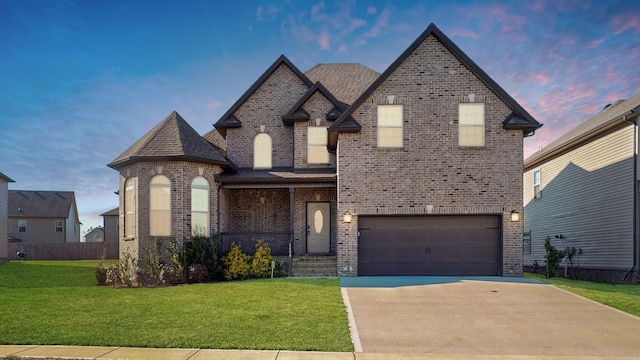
(199, 207)
(262, 151)
(129, 208)
(160, 206)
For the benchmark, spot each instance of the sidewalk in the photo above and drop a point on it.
(113, 353)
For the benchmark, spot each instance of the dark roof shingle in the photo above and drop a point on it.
(171, 139)
(345, 81)
(40, 204)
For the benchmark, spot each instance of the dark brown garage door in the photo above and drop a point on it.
(429, 245)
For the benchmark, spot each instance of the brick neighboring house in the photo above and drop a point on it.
(416, 171)
(581, 190)
(43, 216)
(4, 204)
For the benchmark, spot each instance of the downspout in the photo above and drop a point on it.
(635, 197)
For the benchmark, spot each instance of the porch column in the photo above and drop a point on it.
(291, 215)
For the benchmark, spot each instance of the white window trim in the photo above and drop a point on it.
(25, 225)
(537, 193)
(130, 211)
(61, 222)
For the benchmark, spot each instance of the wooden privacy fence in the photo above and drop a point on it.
(64, 251)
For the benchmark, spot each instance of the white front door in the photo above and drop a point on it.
(318, 227)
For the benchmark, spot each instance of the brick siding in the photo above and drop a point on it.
(431, 169)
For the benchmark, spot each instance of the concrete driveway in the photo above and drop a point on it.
(483, 316)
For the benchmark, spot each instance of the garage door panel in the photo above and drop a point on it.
(429, 245)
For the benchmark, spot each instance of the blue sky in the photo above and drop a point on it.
(80, 81)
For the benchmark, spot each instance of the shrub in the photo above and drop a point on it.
(150, 273)
(127, 269)
(198, 273)
(198, 250)
(172, 275)
(237, 264)
(261, 262)
(101, 275)
(553, 257)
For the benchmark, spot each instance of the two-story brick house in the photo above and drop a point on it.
(416, 171)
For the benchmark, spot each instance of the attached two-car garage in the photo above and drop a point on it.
(430, 245)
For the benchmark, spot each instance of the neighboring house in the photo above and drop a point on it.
(416, 171)
(43, 216)
(111, 226)
(581, 191)
(95, 235)
(4, 181)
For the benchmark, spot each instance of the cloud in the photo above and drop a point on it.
(594, 44)
(624, 22)
(323, 40)
(464, 33)
(371, 10)
(381, 22)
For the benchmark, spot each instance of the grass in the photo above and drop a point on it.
(621, 297)
(58, 303)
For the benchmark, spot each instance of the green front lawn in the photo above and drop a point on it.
(621, 297)
(57, 302)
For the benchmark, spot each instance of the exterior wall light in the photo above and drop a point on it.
(346, 217)
(515, 216)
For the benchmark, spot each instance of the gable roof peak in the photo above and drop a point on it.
(228, 119)
(525, 121)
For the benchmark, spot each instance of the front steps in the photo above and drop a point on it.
(309, 266)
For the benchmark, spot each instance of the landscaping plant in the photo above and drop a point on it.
(236, 264)
(261, 262)
(553, 257)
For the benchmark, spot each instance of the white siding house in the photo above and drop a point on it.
(581, 191)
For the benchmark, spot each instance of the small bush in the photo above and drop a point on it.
(261, 262)
(198, 273)
(150, 273)
(237, 264)
(553, 257)
(127, 269)
(172, 275)
(101, 275)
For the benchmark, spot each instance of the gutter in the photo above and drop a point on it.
(635, 192)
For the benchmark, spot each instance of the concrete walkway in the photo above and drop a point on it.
(501, 317)
(113, 353)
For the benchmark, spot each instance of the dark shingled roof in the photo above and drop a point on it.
(345, 81)
(279, 175)
(609, 117)
(112, 212)
(519, 119)
(171, 139)
(40, 204)
(5, 177)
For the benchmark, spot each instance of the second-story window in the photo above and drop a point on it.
(390, 126)
(536, 184)
(22, 225)
(160, 206)
(317, 152)
(262, 151)
(59, 225)
(471, 124)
